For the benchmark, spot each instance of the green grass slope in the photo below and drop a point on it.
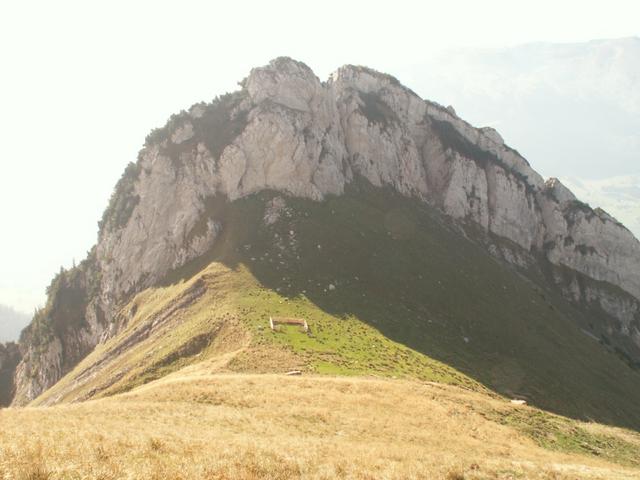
(388, 288)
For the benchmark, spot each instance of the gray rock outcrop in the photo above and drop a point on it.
(9, 358)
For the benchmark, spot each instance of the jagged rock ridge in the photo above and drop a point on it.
(286, 130)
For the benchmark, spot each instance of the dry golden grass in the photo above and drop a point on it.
(193, 424)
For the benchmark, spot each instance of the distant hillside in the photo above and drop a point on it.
(11, 323)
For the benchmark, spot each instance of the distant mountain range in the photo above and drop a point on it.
(573, 110)
(11, 323)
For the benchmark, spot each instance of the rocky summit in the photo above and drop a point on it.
(287, 132)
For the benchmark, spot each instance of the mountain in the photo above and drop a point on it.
(573, 109)
(413, 244)
(11, 323)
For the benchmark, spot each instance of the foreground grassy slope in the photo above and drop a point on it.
(195, 425)
(388, 288)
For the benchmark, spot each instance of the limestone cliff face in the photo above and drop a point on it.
(43, 362)
(286, 130)
(62, 333)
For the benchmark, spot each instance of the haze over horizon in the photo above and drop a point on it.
(79, 97)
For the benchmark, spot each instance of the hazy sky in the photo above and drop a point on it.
(83, 82)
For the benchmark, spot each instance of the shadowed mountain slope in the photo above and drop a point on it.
(388, 286)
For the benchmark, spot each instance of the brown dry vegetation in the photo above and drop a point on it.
(194, 424)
